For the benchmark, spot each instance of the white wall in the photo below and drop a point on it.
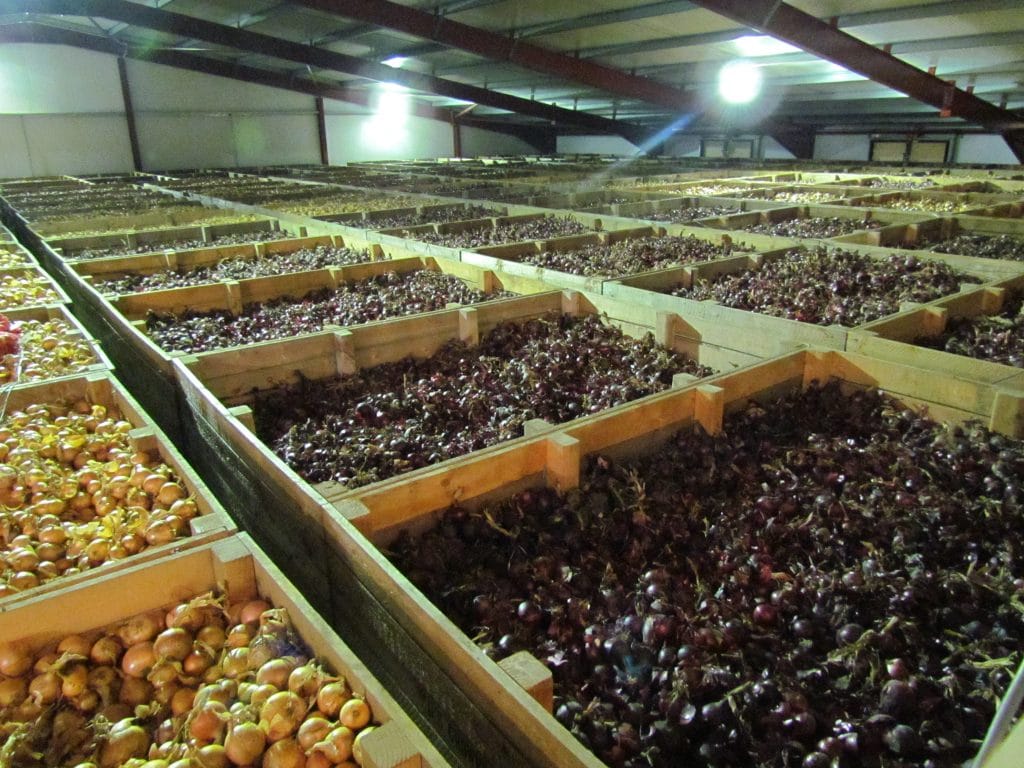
(478, 141)
(772, 150)
(842, 147)
(683, 146)
(986, 149)
(594, 145)
(191, 120)
(386, 132)
(60, 112)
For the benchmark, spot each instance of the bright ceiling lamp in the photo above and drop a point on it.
(395, 61)
(739, 82)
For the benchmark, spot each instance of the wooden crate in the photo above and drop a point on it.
(61, 312)
(127, 312)
(644, 209)
(17, 257)
(219, 386)
(92, 270)
(966, 202)
(102, 389)
(653, 289)
(155, 219)
(236, 566)
(69, 246)
(372, 518)
(1007, 754)
(36, 274)
(506, 258)
(251, 480)
(739, 221)
(893, 338)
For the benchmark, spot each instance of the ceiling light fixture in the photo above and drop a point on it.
(739, 82)
(395, 61)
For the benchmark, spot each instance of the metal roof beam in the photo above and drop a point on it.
(795, 27)
(843, 21)
(252, 42)
(500, 48)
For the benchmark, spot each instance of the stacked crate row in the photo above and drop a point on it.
(134, 613)
(335, 528)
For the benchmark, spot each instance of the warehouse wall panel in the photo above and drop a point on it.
(56, 79)
(372, 136)
(594, 145)
(477, 141)
(683, 146)
(772, 150)
(984, 148)
(78, 144)
(177, 141)
(842, 147)
(261, 139)
(156, 87)
(14, 160)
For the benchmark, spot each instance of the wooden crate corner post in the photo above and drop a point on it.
(469, 326)
(564, 454)
(389, 746)
(709, 408)
(344, 353)
(234, 569)
(665, 324)
(532, 676)
(1008, 413)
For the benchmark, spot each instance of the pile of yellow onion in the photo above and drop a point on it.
(75, 494)
(198, 686)
(24, 291)
(12, 260)
(49, 349)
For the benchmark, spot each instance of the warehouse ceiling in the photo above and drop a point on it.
(637, 69)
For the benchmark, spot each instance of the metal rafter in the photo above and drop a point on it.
(793, 26)
(252, 42)
(34, 32)
(495, 46)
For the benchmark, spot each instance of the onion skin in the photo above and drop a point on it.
(331, 697)
(138, 660)
(123, 744)
(355, 714)
(281, 715)
(244, 743)
(14, 661)
(285, 753)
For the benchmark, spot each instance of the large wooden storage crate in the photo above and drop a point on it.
(68, 247)
(653, 289)
(893, 338)
(236, 567)
(507, 258)
(371, 519)
(44, 291)
(218, 387)
(126, 313)
(63, 314)
(102, 389)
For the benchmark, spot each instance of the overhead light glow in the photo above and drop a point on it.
(387, 128)
(762, 45)
(395, 61)
(739, 82)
